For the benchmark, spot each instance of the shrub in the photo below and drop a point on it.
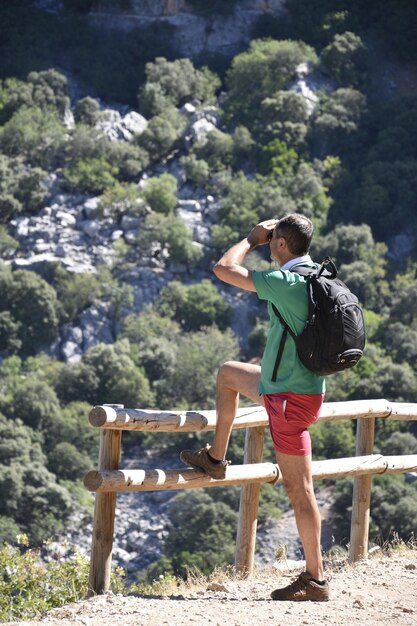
(67, 462)
(160, 192)
(120, 381)
(35, 134)
(285, 117)
(218, 149)
(196, 305)
(29, 587)
(87, 111)
(14, 93)
(172, 83)
(86, 143)
(8, 245)
(77, 381)
(122, 199)
(154, 340)
(9, 333)
(259, 73)
(9, 207)
(90, 175)
(36, 404)
(161, 134)
(76, 292)
(207, 542)
(49, 90)
(129, 158)
(37, 325)
(344, 59)
(191, 383)
(197, 171)
(171, 233)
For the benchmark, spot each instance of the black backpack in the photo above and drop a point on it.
(333, 337)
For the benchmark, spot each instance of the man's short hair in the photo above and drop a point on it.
(297, 230)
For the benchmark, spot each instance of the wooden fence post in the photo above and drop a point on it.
(361, 498)
(104, 513)
(249, 504)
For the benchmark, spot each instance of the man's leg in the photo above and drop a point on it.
(233, 379)
(296, 473)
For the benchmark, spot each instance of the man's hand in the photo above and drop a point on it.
(230, 267)
(262, 232)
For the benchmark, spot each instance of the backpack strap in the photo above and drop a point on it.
(280, 352)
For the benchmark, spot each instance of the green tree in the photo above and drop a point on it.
(217, 149)
(401, 342)
(77, 381)
(87, 111)
(8, 245)
(29, 493)
(191, 383)
(35, 134)
(9, 333)
(120, 381)
(90, 175)
(172, 83)
(399, 443)
(385, 195)
(67, 462)
(284, 117)
(161, 134)
(336, 121)
(394, 508)
(14, 93)
(173, 236)
(86, 143)
(49, 90)
(243, 203)
(333, 440)
(75, 292)
(37, 325)
(154, 341)
(21, 187)
(344, 59)
(197, 171)
(259, 73)
(129, 158)
(36, 404)
(160, 192)
(71, 426)
(190, 547)
(194, 306)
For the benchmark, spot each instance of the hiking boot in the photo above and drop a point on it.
(200, 460)
(303, 588)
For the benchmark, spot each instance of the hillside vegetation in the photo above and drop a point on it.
(311, 118)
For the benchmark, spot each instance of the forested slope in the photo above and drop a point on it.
(113, 214)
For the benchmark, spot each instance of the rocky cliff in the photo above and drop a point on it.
(221, 28)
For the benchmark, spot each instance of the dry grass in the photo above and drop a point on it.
(335, 560)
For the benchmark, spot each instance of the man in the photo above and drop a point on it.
(292, 400)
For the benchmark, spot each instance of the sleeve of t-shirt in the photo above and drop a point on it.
(269, 283)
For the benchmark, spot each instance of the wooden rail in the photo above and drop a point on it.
(109, 479)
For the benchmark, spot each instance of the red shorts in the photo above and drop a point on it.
(290, 414)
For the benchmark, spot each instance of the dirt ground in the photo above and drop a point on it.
(379, 591)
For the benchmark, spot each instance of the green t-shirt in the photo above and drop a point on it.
(288, 291)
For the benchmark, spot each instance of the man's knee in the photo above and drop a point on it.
(227, 372)
(298, 491)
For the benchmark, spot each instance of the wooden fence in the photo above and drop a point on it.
(108, 479)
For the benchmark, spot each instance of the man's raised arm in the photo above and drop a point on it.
(230, 267)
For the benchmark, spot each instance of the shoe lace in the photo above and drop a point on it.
(298, 584)
(207, 448)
